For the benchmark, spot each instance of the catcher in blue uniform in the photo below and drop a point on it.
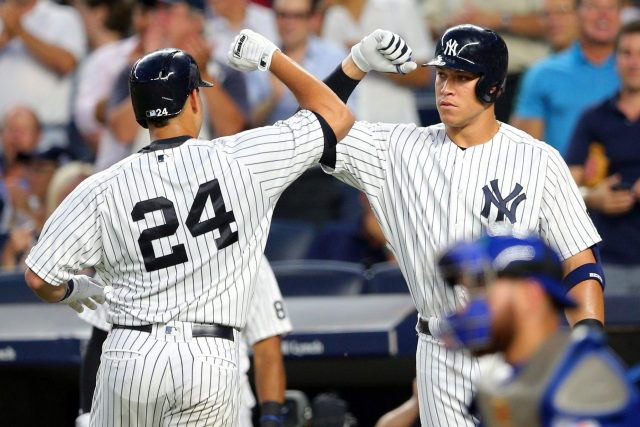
(553, 376)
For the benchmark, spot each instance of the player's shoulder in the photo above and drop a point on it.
(518, 136)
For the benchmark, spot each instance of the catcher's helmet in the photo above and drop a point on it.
(476, 50)
(160, 83)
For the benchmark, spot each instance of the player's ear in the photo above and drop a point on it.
(194, 101)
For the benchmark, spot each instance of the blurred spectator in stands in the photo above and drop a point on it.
(107, 23)
(517, 21)
(383, 97)
(556, 90)
(231, 16)
(560, 23)
(630, 11)
(28, 198)
(360, 241)
(21, 132)
(270, 99)
(405, 415)
(41, 45)
(604, 158)
(180, 24)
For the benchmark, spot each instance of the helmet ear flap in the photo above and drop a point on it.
(489, 94)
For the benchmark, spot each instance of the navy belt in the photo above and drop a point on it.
(423, 326)
(211, 330)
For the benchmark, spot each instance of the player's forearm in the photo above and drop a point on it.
(590, 300)
(419, 78)
(268, 365)
(52, 56)
(312, 94)
(45, 291)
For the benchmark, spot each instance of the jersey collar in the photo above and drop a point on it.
(166, 143)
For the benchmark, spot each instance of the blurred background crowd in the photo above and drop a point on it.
(65, 111)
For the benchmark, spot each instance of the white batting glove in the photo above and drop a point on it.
(383, 51)
(251, 51)
(83, 291)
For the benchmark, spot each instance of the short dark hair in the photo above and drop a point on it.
(119, 14)
(628, 28)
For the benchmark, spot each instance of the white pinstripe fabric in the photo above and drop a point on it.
(427, 194)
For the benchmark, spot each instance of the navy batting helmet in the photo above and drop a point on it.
(476, 50)
(160, 83)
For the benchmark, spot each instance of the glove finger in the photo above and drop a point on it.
(407, 67)
(96, 282)
(380, 35)
(76, 306)
(100, 299)
(386, 41)
(405, 57)
(389, 44)
(88, 302)
(401, 54)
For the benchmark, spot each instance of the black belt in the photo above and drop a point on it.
(423, 326)
(212, 330)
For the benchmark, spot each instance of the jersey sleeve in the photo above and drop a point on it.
(362, 156)
(565, 223)
(276, 155)
(71, 238)
(268, 316)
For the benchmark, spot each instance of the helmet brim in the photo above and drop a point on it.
(455, 63)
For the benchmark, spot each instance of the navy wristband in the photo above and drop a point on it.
(70, 287)
(271, 414)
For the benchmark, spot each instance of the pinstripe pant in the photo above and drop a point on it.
(155, 380)
(445, 384)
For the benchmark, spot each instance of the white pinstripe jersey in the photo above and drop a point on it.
(428, 193)
(177, 231)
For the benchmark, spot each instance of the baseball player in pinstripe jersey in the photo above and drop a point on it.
(430, 187)
(177, 231)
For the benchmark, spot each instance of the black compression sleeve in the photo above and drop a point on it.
(329, 152)
(341, 84)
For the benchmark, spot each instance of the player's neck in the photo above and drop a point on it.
(479, 130)
(172, 130)
(596, 53)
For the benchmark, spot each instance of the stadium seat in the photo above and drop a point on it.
(14, 289)
(385, 278)
(288, 240)
(318, 277)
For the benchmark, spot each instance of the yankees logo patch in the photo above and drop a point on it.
(451, 48)
(493, 196)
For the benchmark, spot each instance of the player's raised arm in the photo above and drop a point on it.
(251, 51)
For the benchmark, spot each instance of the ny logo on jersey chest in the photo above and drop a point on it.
(493, 196)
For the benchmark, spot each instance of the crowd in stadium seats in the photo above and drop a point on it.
(65, 110)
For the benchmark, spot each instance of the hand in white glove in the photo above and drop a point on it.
(251, 51)
(83, 291)
(383, 51)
